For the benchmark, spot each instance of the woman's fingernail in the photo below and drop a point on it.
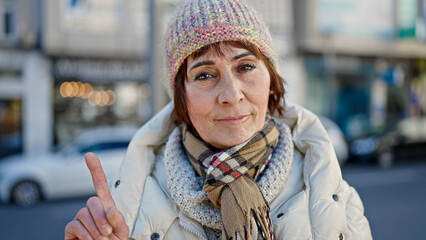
(106, 230)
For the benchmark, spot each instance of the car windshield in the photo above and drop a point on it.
(66, 149)
(99, 139)
(103, 146)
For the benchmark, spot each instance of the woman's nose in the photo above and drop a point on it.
(230, 90)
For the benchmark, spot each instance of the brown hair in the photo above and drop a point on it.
(180, 111)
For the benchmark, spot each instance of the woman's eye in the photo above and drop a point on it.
(203, 76)
(246, 67)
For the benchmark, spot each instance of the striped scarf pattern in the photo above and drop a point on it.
(229, 179)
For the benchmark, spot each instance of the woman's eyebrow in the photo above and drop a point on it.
(242, 55)
(198, 64)
(201, 64)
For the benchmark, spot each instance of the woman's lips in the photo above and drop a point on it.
(234, 120)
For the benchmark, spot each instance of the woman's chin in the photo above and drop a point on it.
(228, 141)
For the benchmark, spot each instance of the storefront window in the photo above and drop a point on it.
(81, 105)
(418, 90)
(353, 105)
(341, 91)
(10, 127)
(92, 93)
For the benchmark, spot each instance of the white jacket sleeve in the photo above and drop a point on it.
(358, 226)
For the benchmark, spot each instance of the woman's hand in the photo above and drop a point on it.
(100, 219)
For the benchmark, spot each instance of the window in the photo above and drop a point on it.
(104, 146)
(10, 127)
(7, 21)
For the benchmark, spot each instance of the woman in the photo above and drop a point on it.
(229, 159)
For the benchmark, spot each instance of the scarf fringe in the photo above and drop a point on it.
(256, 219)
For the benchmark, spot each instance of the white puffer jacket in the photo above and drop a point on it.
(314, 204)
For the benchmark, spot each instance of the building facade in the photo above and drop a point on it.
(99, 55)
(363, 61)
(70, 65)
(25, 82)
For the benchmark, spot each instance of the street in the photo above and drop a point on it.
(394, 200)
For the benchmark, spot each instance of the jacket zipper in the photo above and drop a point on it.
(192, 230)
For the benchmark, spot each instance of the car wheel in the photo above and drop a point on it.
(26, 193)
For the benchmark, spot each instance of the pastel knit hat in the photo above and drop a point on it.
(199, 23)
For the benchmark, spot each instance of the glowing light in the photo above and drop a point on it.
(75, 89)
(111, 96)
(62, 89)
(87, 90)
(105, 98)
(81, 89)
(68, 90)
(91, 98)
(98, 98)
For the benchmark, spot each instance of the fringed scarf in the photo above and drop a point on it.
(229, 178)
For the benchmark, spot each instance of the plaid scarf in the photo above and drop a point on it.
(229, 178)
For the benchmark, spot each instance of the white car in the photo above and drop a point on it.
(26, 179)
(337, 139)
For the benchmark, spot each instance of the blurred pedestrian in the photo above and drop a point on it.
(229, 158)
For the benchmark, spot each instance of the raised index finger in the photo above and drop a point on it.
(99, 180)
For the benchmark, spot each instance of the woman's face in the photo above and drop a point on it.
(227, 95)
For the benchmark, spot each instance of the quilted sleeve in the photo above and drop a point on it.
(358, 226)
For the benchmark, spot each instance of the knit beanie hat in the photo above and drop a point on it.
(199, 23)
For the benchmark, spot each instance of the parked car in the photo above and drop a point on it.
(403, 141)
(26, 179)
(337, 139)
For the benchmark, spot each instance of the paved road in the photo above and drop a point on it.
(394, 199)
(45, 221)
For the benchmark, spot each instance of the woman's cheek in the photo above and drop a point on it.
(198, 104)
